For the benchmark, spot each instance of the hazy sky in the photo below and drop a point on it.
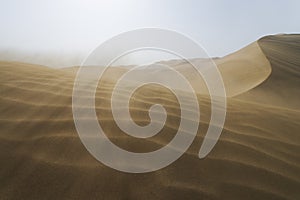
(76, 27)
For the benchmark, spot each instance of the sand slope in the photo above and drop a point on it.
(244, 69)
(282, 87)
(257, 156)
(241, 71)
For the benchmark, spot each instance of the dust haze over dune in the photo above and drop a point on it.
(48, 58)
(256, 157)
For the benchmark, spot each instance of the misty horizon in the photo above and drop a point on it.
(42, 32)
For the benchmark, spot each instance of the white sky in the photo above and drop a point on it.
(75, 27)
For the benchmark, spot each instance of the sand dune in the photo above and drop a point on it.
(257, 156)
(241, 71)
(282, 87)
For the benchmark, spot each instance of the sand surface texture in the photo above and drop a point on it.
(257, 156)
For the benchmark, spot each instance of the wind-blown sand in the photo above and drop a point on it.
(257, 156)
